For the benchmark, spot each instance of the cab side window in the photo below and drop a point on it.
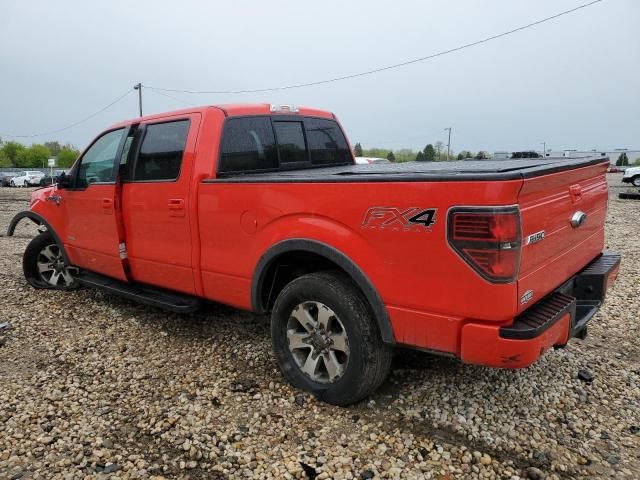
(96, 165)
(161, 152)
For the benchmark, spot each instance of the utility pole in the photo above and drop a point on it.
(544, 148)
(448, 143)
(138, 87)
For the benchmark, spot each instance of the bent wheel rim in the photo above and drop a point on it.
(318, 342)
(52, 269)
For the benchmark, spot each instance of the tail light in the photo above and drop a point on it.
(488, 239)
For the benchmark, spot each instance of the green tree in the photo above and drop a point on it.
(622, 160)
(54, 147)
(481, 155)
(429, 153)
(12, 150)
(391, 157)
(67, 156)
(420, 157)
(357, 150)
(35, 156)
(439, 148)
(4, 160)
(461, 156)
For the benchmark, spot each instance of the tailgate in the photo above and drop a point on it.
(552, 248)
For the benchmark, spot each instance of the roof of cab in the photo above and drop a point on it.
(230, 110)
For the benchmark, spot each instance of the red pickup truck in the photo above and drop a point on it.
(262, 207)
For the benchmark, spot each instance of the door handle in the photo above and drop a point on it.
(176, 207)
(107, 206)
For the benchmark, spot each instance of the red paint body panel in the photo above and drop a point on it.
(207, 238)
(90, 230)
(157, 215)
(482, 345)
(547, 204)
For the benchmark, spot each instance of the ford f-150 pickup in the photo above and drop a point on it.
(261, 207)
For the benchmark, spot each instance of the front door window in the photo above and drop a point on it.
(96, 165)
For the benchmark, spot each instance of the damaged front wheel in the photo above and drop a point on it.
(44, 267)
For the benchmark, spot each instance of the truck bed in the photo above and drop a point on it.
(463, 170)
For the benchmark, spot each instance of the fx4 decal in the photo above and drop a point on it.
(411, 219)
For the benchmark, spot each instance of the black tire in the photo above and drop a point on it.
(30, 264)
(629, 195)
(636, 181)
(369, 358)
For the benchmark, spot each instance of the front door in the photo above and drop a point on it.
(92, 234)
(156, 203)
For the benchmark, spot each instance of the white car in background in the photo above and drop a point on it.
(370, 160)
(29, 178)
(632, 175)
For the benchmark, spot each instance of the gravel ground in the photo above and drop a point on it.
(92, 385)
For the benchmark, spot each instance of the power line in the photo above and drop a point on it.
(170, 96)
(73, 124)
(388, 67)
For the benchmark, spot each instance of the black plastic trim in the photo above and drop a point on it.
(540, 317)
(39, 220)
(148, 295)
(304, 245)
(582, 295)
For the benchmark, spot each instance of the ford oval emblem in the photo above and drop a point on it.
(578, 219)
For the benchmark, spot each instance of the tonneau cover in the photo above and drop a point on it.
(463, 170)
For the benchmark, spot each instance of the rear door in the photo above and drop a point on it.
(156, 203)
(92, 233)
(563, 218)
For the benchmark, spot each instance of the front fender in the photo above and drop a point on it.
(38, 220)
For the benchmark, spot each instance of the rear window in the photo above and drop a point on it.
(248, 144)
(291, 144)
(260, 144)
(327, 144)
(161, 152)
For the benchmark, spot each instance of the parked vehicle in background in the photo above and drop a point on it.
(5, 178)
(370, 160)
(632, 175)
(29, 178)
(51, 179)
(262, 208)
(613, 169)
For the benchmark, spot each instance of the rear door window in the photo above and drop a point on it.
(161, 152)
(291, 142)
(248, 144)
(327, 144)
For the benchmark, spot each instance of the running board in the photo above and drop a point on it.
(174, 302)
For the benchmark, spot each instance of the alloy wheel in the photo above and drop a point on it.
(52, 269)
(318, 342)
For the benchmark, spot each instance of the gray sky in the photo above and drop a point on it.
(573, 82)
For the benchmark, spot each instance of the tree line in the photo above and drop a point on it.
(431, 153)
(17, 155)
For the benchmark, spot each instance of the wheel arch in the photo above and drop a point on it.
(38, 220)
(321, 256)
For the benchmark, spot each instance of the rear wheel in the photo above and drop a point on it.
(636, 181)
(13, 184)
(326, 340)
(44, 267)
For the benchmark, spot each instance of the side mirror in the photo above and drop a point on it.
(63, 181)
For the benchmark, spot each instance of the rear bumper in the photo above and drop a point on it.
(550, 322)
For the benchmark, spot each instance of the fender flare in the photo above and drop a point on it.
(330, 253)
(38, 220)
